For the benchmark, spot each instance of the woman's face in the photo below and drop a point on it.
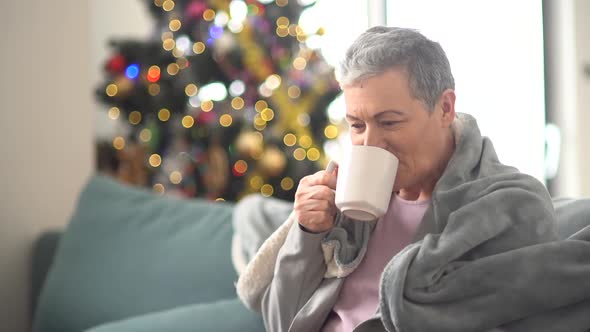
(382, 112)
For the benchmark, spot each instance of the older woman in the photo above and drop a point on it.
(463, 245)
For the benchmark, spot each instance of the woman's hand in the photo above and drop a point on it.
(314, 205)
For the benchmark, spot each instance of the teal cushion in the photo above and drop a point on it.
(127, 252)
(221, 316)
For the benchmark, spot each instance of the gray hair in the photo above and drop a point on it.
(381, 48)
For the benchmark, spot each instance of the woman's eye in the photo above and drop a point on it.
(357, 125)
(388, 123)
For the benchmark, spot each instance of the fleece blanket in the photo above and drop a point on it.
(486, 256)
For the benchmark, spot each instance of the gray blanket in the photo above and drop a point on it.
(486, 257)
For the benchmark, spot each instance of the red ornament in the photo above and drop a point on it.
(117, 64)
(195, 9)
(205, 117)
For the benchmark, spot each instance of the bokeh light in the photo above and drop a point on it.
(188, 121)
(155, 160)
(164, 114)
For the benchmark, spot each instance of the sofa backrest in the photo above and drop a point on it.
(128, 251)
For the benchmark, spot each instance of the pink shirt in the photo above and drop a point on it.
(359, 296)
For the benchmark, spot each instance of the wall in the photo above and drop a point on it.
(46, 134)
(50, 62)
(568, 91)
(582, 37)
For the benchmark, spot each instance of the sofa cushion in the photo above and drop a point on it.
(220, 316)
(127, 252)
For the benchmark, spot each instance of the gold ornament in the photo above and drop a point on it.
(249, 144)
(273, 162)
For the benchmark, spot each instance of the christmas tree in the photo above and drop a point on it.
(226, 99)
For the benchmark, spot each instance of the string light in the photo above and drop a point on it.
(168, 5)
(282, 21)
(287, 183)
(194, 101)
(290, 139)
(145, 135)
(299, 154)
(112, 90)
(215, 31)
(119, 143)
(264, 90)
(260, 105)
(158, 2)
(198, 47)
(240, 168)
(273, 81)
(214, 91)
(191, 89)
(294, 91)
(175, 177)
(153, 74)
(155, 160)
(168, 44)
(173, 69)
(207, 105)
(237, 103)
(313, 154)
(114, 113)
(167, 35)
(134, 118)
(282, 31)
(303, 119)
(237, 88)
(256, 182)
(293, 30)
(221, 18)
(305, 141)
(259, 126)
(164, 114)
(267, 114)
(154, 89)
(258, 120)
(177, 52)
(188, 121)
(282, 3)
(238, 10)
(225, 120)
(331, 131)
(235, 26)
(299, 63)
(220, 199)
(183, 43)
(299, 30)
(209, 14)
(266, 190)
(174, 25)
(159, 188)
(182, 63)
(132, 71)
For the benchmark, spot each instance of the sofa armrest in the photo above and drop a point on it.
(42, 257)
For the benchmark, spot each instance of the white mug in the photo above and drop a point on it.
(365, 182)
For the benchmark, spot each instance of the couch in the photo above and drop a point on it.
(133, 261)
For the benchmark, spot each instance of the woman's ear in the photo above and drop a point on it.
(447, 105)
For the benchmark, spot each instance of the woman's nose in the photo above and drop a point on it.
(372, 138)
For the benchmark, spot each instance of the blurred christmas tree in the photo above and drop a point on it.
(226, 98)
